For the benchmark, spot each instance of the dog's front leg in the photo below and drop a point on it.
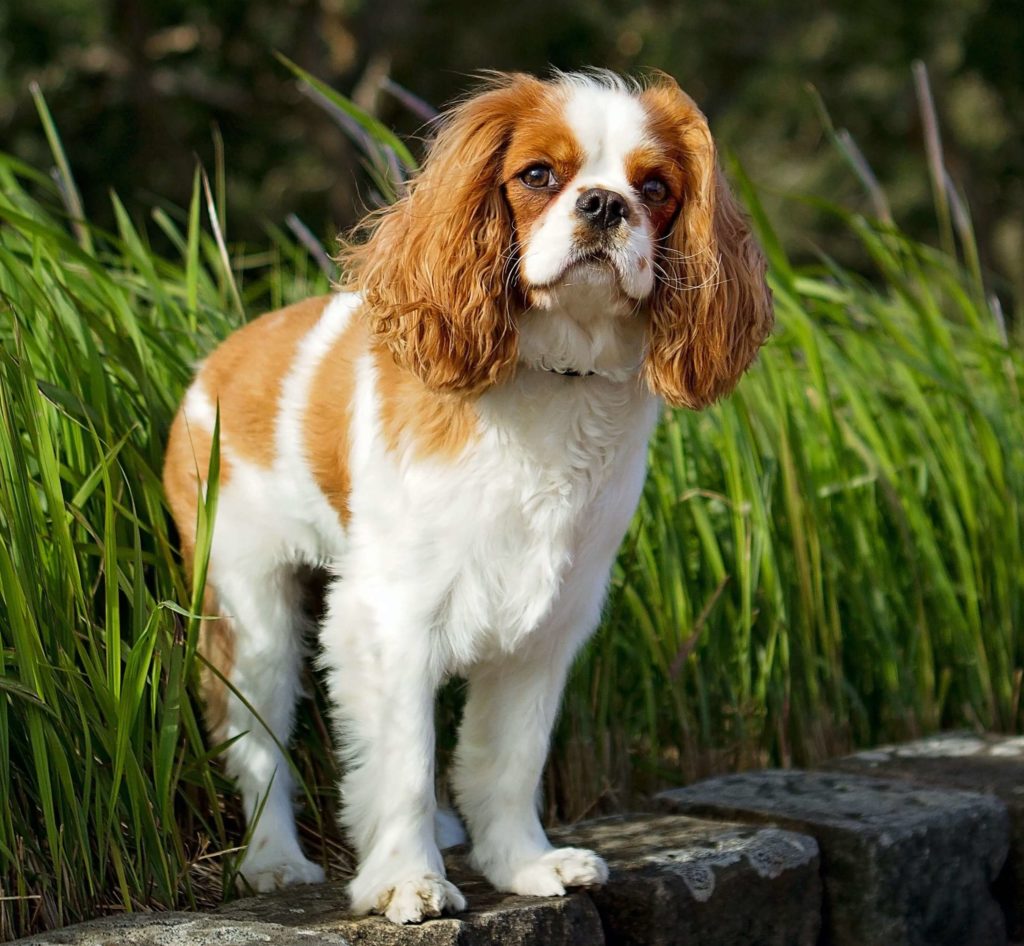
(503, 742)
(382, 678)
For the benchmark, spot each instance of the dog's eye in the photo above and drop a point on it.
(654, 190)
(538, 176)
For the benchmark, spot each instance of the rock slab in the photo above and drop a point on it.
(310, 916)
(901, 865)
(677, 880)
(674, 880)
(181, 929)
(493, 919)
(985, 763)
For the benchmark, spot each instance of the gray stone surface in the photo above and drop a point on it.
(981, 763)
(677, 880)
(303, 916)
(900, 864)
(493, 919)
(182, 929)
(674, 880)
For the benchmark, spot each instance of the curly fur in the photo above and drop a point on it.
(712, 310)
(433, 273)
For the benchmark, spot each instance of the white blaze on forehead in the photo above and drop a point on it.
(608, 123)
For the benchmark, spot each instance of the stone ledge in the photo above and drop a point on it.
(674, 880)
(493, 919)
(980, 763)
(822, 857)
(900, 864)
(181, 929)
(302, 916)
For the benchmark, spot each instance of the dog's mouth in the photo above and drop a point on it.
(594, 274)
(590, 264)
(600, 265)
(591, 256)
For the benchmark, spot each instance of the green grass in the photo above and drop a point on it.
(831, 557)
(108, 797)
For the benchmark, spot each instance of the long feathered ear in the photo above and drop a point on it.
(712, 308)
(433, 273)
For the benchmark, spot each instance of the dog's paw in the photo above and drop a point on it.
(267, 870)
(408, 901)
(550, 874)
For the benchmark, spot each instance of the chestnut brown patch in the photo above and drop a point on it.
(246, 372)
(541, 136)
(217, 645)
(186, 463)
(435, 271)
(711, 309)
(434, 423)
(660, 162)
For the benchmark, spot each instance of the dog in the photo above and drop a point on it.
(458, 436)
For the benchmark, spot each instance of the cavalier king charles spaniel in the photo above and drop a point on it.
(458, 438)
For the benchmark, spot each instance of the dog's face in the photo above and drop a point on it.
(594, 187)
(534, 186)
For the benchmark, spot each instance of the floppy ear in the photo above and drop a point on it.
(712, 308)
(434, 272)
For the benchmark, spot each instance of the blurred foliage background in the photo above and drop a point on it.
(141, 88)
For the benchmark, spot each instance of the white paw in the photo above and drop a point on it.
(409, 901)
(549, 875)
(267, 870)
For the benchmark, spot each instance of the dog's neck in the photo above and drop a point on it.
(582, 329)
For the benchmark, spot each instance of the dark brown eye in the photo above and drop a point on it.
(654, 190)
(538, 176)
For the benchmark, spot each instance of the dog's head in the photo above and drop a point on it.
(534, 185)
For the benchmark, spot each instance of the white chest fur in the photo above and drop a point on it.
(518, 531)
(567, 465)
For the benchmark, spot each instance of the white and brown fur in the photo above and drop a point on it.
(418, 435)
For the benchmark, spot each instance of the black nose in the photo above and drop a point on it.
(603, 209)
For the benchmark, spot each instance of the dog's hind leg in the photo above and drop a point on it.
(260, 653)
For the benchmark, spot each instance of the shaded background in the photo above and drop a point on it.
(141, 88)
